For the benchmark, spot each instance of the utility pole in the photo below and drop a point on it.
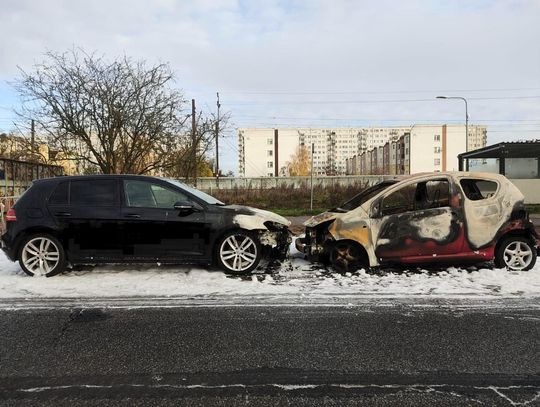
(32, 139)
(194, 140)
(311, 195)
(217, 138)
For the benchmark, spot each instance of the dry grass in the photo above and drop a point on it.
(289, 198)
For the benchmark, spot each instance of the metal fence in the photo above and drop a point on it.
(209, 183)
(16, 176)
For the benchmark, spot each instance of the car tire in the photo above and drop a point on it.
(515, 253)
(238, 252)
(346, 257)
(42, 255)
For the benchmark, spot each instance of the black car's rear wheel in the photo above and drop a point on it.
(42, 255)
(516, 253)
(238, 252)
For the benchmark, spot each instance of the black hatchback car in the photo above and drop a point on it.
(136, 219)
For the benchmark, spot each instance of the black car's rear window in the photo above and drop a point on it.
(102, 192)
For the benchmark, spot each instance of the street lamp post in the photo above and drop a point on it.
(466, 123)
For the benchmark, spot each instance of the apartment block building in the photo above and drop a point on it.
(425, 148)
(338, 151)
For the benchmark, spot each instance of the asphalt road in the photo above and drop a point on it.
(270, 356)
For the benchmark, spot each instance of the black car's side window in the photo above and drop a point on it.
(60, 196)
(143, 194)
(93, 192)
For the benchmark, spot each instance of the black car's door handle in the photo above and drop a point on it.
(63, 214)
(132, 216)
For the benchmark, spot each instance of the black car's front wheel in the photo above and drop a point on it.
(42, 255)
(238, 252)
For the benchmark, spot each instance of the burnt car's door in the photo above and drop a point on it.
(419, 222)
(154, 229)
(87, 212)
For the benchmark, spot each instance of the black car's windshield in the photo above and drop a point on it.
(199, 194)
(363, 196)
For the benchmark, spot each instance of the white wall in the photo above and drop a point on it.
(455, 144)
(288, 142)
(255, 147)
(422, 146)
(530, 188)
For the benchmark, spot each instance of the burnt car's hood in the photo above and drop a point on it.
(260, 215)
(321, 218)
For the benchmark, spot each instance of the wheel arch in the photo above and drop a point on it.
(363, 252)
(525, 233)
(35, 230)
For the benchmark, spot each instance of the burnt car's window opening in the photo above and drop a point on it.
(143, 194)
(102, 192)
(437, 194)
(399, 201)
(477, 189)
(363, 197)
(60, 195)
(419, 196)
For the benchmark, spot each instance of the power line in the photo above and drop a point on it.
(381, 119)
(326, 102)
(338, 92)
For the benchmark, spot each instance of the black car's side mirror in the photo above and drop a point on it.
(186, 206)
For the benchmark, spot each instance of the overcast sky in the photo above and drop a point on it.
(307, 63)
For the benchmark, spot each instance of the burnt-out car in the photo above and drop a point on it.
(450, 218)
(136, 219)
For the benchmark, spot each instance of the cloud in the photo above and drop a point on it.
(236, 47)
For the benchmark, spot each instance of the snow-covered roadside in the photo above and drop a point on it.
(296, 278)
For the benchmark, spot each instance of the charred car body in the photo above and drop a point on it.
(134, 219)
(455, 217)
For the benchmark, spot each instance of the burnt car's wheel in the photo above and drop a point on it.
(238, 252)
(515, 253)
(42, 255)
(346, 257)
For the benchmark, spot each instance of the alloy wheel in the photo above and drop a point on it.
(238, 252)
(40, 256)
(517, 255)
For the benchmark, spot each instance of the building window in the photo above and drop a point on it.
(270, 174)
(437, 161)
(437, 150)
(437, 137)
(270, 164)
(269, 141)
(270, 153)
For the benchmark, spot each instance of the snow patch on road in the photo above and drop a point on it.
(295, 278)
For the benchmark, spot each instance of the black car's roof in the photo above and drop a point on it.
(82, 177)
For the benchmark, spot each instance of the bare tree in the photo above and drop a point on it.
(189, 159)
(118, 116)
(21, 148)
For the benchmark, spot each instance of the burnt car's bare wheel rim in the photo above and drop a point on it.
(517, 255)
(345, 257)
(238, 252)
(40, 256)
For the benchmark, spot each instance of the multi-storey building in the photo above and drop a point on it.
(267, 152)
(424, 148)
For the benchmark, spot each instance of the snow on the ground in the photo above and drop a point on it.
(296, 277)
